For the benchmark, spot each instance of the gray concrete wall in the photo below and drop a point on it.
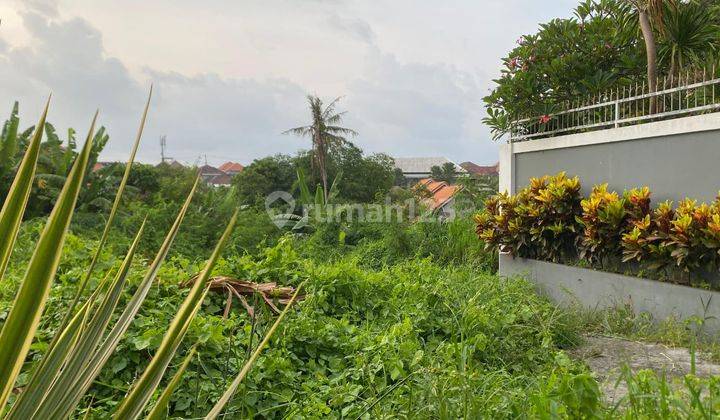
(593, 289)
(674, 166)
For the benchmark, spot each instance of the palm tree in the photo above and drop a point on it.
(649, 13)
(324, 132)
(690, 34)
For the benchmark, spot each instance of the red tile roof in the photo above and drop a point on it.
(441, 192)
(481, 170)
(231, 167)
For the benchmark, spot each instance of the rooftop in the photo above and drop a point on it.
(423, 165)
(481, 170)
(233, 167)
(441, 192)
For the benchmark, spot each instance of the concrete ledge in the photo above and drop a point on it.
(592, 289)
(684, 125)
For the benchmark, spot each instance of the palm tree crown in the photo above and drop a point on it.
(324, 132)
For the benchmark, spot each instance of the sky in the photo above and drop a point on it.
(230, 76)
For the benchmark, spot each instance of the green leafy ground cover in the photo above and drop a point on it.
(380, 334)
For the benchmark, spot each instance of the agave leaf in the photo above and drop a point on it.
(111, 216)
(32, 403)
(14, 206)
(24, 317)
(51, 380)
(133, 405)
(45, 372)
(54, 360)
(251, 361)
(159, 411)
(71, 397)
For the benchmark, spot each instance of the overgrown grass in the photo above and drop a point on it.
(416, 336)
(623, 321)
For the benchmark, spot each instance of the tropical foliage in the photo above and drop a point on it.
(85, 338)
(325, 133)
(548, 221)
(599, 50)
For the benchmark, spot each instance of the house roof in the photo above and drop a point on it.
(231, 167)
(441, 192)
(481, 170)
(423, 165)
(173, 163)
(210, 170)
(222, 179)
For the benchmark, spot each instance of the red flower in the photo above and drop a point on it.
(544, 119)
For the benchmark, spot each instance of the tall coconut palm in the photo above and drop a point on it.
(324, 132)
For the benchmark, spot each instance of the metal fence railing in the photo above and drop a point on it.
(690, 94)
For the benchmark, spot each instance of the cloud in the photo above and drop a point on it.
(412, 109)
(399, 107)
(44, 7)
(354, 27)
(226, 119)
(201, 115)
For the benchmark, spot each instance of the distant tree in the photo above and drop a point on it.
(363, 177)
(324, 132)
(264, 176)
(446, 172)
(399, 178)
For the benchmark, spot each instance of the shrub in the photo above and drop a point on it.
(538, 222)
(545, 220)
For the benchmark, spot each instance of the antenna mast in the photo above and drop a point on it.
(163, 145)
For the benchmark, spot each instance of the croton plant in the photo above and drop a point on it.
(550, 220)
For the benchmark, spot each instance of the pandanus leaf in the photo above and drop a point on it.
(230, 391)
(159, 411)
(71, 397)
(51, 380)
(24, 317)
(132, 406)
(43, 375)
(16, 200)
(45, 372)
(111, 216)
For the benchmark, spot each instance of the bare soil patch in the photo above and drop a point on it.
(607, 355)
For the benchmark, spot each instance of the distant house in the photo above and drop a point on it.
(419, 168)
(231, 168)
(208, 172)
(222, 180)
(474, 169)
(217, 177)
(441, 199)
(172, 163)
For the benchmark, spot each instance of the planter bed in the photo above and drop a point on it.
(592, 289)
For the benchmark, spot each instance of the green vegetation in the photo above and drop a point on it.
(606, 46)
(400, 318)
(548, 220)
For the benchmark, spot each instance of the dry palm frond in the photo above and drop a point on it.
(270, 292)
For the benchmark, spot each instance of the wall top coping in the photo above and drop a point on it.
(692, 124)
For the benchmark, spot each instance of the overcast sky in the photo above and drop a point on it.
(230, 76)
